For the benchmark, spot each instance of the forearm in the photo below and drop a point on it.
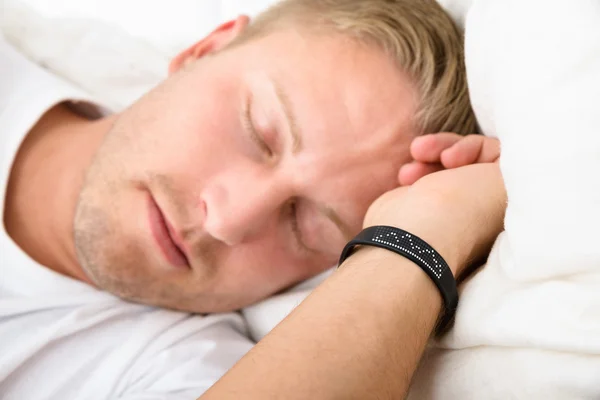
(358, 336)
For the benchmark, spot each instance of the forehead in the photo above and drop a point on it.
(352, 105)
(343, 89)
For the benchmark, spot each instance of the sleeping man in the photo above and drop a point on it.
(243, 173)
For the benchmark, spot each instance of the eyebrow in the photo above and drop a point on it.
(289, 116)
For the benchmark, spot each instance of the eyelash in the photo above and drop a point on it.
(256, 138)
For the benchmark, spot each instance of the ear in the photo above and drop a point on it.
(214, 42)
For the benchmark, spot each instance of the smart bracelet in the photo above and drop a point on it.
(419, 252)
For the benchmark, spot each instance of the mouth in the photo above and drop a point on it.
(165, 237)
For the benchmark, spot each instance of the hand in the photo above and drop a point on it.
(459, 212)
(439, 151)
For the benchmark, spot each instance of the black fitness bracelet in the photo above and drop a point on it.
(419, 252)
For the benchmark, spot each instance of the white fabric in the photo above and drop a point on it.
(115, 49)
(528, 325)
(62, 339)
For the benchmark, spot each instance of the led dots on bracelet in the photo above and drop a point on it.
(410, 244)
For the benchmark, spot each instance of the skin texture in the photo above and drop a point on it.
(243, 200)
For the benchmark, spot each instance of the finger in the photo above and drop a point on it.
(428, 148)
(412, 172)
(490, 151)
(463, 153)
(471, 149)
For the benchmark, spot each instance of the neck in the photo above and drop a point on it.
(44, 185)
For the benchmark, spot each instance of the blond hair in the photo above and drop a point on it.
(418, 34)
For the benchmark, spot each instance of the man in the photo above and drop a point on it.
(243, 173)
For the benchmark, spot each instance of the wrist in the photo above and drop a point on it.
(418, 252)
(393, 268)
(458, 212)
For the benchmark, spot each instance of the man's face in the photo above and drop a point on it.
(243, 173)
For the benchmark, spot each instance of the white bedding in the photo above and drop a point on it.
(528, 324)
(115, 49)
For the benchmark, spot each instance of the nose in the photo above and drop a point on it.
(238, 209)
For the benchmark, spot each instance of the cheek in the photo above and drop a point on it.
(266, 266)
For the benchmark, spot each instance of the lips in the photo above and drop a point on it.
(165, 237)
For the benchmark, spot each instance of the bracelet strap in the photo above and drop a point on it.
(419, 252)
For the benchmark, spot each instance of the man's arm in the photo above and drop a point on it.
(361, 334)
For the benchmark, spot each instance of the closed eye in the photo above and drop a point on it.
(251, 129)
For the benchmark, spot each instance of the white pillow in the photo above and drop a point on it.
(115, 49)
(535, 83)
